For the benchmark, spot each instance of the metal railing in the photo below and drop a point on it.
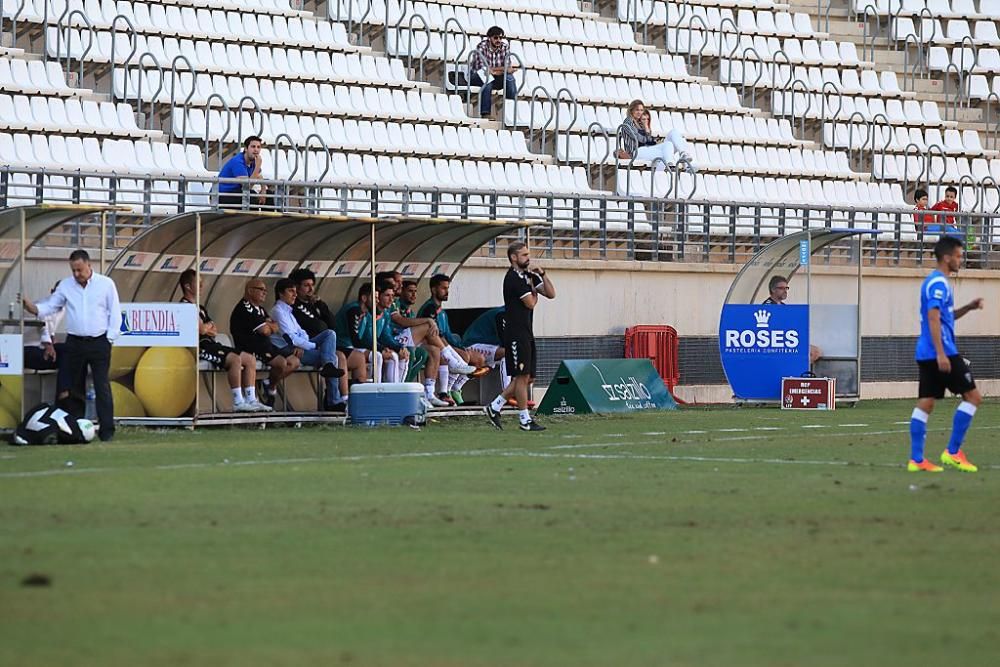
(593, 225)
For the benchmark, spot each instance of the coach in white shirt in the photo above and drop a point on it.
(93, 317)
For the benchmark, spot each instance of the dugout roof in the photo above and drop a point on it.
(782, 257)
(39, 221)
(238, 245)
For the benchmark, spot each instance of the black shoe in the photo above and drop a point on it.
(266, 397)
(532, 426)
(336, 407)
(328, 371)
(107, 437)
(494, 417)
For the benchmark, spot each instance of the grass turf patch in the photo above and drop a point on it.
(700, 537)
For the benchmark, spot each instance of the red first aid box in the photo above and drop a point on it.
(808, 393)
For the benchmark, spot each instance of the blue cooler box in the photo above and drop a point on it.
(389, 403)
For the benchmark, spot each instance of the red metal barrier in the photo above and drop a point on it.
(659, 344)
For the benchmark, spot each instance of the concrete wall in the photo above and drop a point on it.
(595, 297)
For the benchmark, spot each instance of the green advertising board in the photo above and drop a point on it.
(583, 386)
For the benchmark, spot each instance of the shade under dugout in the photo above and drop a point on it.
(237, 245)
(781, 257)
(39, 221)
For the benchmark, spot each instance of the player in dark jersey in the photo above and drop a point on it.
(315, 317)
(240, 367)
(521, 288)
(251, 329)
(940, 363)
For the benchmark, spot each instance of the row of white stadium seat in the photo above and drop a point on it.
(376, 9)
(788, 50)
(216, 25)
(313, 98)
(600, 89)
(359, 135)
(816, 105)
(848, 81)
(948, 170)
(745, 21)
(35, 77)
(724, 158)
(69, 116)
(708, 127)
(896, 139)
(263, 61)
(938, 8)
(535, 27)
(33, 9)
(940, 58)
(954, 31)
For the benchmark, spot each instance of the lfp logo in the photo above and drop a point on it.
(762, 338)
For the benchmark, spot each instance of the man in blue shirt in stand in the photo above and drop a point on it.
(246, 164)
(941, 365)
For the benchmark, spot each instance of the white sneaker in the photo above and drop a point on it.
(257, 406)
(436, 402)
(245, 406)
(462, 369)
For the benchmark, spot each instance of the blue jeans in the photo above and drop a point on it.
(324, 352)
(486, 92)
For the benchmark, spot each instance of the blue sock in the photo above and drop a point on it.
(918, 433)
(960, 424)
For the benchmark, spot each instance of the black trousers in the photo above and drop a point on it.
(94, 353)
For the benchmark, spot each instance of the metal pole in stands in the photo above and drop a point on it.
(197, 300)
(374, 312)
(20, 291)
(104, 238)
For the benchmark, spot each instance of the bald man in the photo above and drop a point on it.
(251, 329)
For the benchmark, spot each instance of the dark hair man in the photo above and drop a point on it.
(240, 367)
(777, 287)
(451, 383)
(492, 69)
(93, 320)
(245, 164)
(521, 288)
(940, 363)
(251, 329)
(315, 316)
(319, 351)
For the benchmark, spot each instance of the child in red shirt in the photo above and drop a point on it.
(949, 203)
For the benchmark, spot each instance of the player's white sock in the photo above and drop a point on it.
(250, 394)
(498, 403)
(442, 378)
(457, 382)
(429, 388)
(504, 378)
(404, 368)
(524, 416)
(390, 369)
(449, 354)
(237, 396)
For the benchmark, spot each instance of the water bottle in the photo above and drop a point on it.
(91, 410)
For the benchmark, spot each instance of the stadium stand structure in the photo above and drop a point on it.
(802, 113)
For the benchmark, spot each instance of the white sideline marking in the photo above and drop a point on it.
(511, 452)
(768, 428)
(732, 430)
(693, 432)
(815, 426)
(655, 433)
(851, 425)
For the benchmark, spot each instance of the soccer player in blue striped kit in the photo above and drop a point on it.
(941, 365)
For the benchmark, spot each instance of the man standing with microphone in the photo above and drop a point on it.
(93, 316)
(521, 289)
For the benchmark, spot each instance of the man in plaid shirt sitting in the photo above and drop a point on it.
(492, 58)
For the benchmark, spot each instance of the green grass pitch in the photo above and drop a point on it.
(700, 537)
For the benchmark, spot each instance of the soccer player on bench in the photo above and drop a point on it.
(252, 329)
(240, 367)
